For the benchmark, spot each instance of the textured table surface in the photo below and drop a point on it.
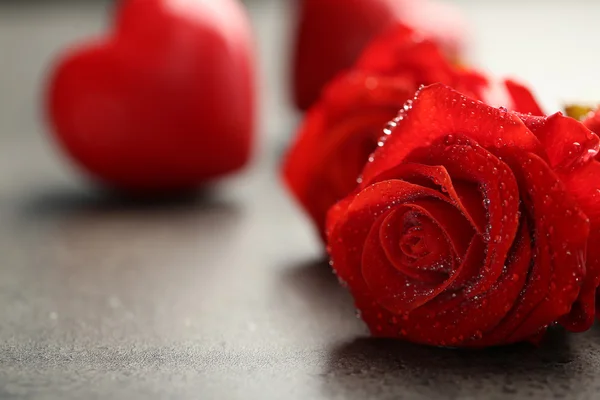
(225, 295)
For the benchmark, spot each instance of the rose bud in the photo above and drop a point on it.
(163, 104)
(473, 226)
(342, 129)
(332, 34)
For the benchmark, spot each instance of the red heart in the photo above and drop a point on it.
(332, 34)
(166, 102)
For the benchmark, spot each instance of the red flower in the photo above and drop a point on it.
(333, 33)
(343, 128)
(403, 53)
(164, 103)
(473, 226)
(590, 198)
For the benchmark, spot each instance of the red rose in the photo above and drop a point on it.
(590, 198)
(473, 226)
(343, 128)
(164, 103)
(401, 52)
(333, 33)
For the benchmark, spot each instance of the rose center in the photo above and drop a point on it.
(413, 244)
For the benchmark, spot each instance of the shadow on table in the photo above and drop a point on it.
(315, 282)
(382, 368)
(71, 202)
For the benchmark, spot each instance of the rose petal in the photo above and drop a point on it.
(432, 239)
(391, 288)
(439, 111)
(561, 233)
(464, 159)
(568, 143)
(522, 99)
(400, 52)
(352, 218)
(584, 185)
(337, 137)
(436, 177)
(451, 320)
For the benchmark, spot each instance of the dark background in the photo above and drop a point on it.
(225, 295)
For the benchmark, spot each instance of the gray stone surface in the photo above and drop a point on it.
(217, 296)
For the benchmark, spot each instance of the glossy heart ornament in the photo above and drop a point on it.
(164, 103)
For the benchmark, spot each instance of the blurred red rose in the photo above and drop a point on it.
(166, 102)
(473, 226)
(343, 128)
(332, 34)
